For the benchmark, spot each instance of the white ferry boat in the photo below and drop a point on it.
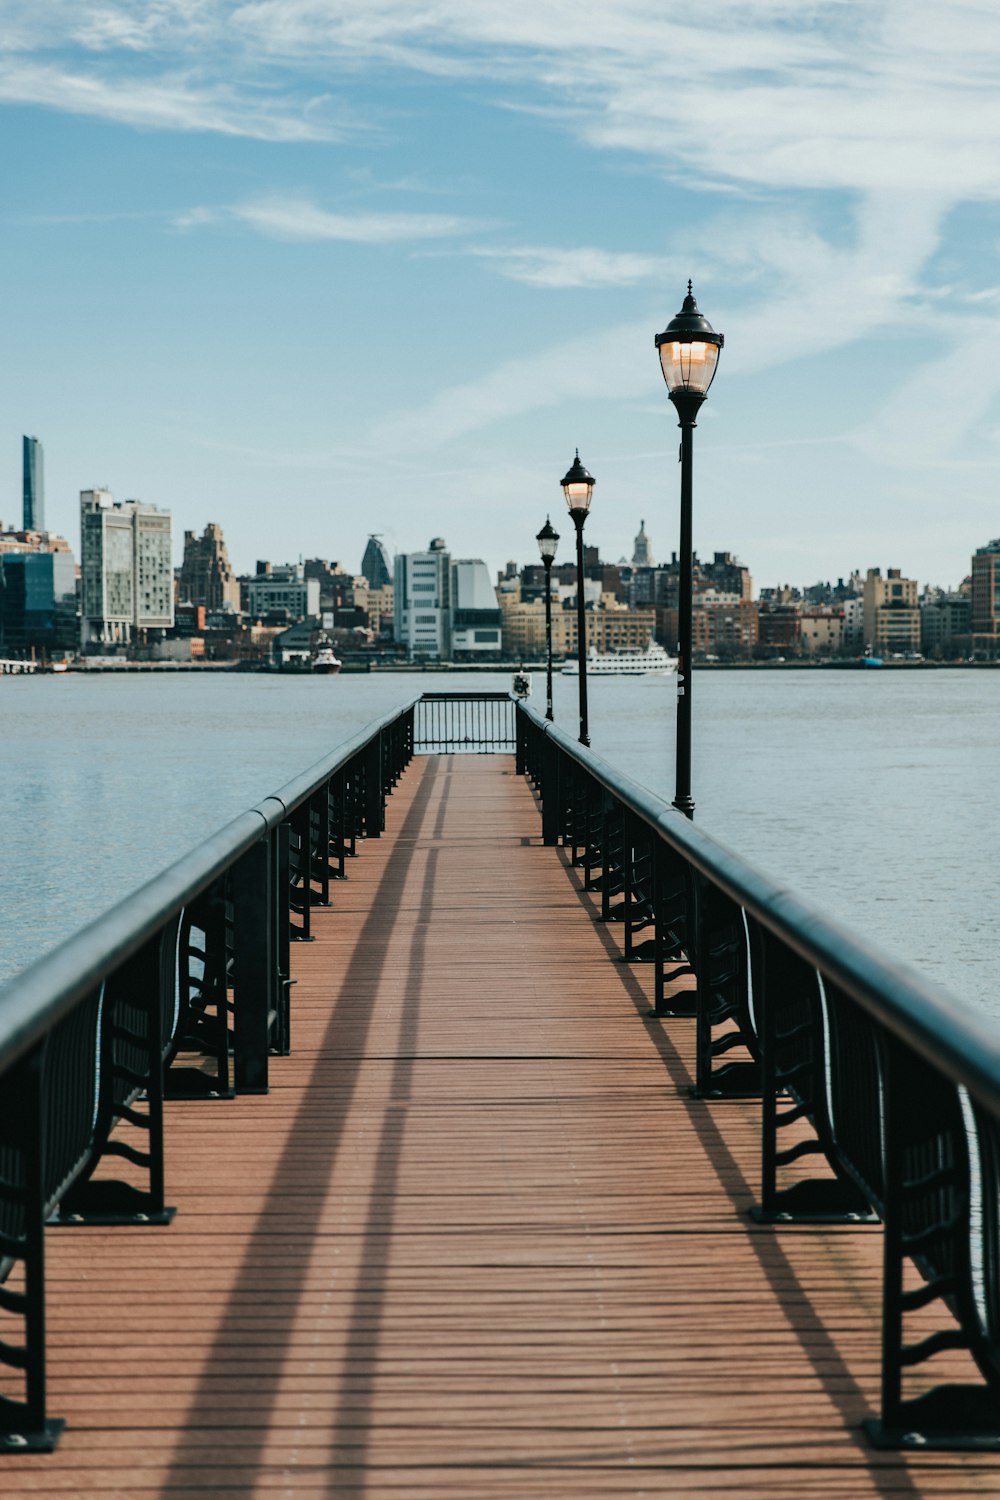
(635, 661)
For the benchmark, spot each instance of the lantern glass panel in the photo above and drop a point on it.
(689, 366)
(578, 496)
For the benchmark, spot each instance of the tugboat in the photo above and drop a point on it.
(324, 662)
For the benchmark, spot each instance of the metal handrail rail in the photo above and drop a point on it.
(945, 1030)
(891, 1086)
(301, 787)
(40, 996)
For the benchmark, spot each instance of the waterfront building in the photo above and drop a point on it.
(126, 573)
(945, 623)
(207, 576)
(445, 608)
(381, 610)
(375, 565)
(853, 639)
(475, 614)
(891, 613)
(723, 625)
(423, 601)
(38, 600)
(779, 623)
(986, 589)
(642, 552)
(610, 627)
(822, 630)
(33, 484)
(282, 591)
(725, 574)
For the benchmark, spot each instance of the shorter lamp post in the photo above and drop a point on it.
(548, 541)
(689, 354)
(578, 487)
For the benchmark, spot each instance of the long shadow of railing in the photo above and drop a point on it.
(309, 1158)
(798, 1305)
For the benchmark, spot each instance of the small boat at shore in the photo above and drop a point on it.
(634, 661)
(324, 663)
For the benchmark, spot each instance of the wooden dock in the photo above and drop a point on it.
(477, 1241)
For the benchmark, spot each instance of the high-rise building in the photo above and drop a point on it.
(126, 572)
(475, 614)
(375, 564)
(642, 556)
(422, 601)
(33, 484)
(986, 589)
(207, 577)
(37, 594)
(445, 609)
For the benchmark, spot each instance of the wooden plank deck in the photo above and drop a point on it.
(477, 1241)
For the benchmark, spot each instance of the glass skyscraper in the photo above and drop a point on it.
(34, 485)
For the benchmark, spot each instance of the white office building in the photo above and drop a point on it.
(422, 601)
(475, 613)
(445, 609)
(126, 569)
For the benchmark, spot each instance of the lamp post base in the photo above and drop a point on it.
(685, 805)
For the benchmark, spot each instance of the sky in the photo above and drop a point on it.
(315, 268)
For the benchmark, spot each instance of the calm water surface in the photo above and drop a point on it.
(875, 795)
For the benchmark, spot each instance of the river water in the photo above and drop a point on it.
(876, 795)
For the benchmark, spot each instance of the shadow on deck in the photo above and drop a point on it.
(477, 1240)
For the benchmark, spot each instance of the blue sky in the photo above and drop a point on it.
(311, 268)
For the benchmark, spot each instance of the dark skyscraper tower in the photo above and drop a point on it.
(375, 565)
(34, 485)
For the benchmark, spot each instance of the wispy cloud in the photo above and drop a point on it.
(583, 266)
(165, 103)
(600, 366)
(300, 219)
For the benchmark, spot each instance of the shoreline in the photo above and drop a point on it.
(350, 669)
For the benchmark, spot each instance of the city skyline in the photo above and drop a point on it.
(623, 557)
(299, 267)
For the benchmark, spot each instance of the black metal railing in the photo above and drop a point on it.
(182, 989)
(464, 724)
(880, 1094)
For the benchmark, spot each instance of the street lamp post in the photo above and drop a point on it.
(548, 540)
(578, 487)
(689, 354)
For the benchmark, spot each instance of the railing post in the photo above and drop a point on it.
(374, 790)
(549, 766)
(253, 965)
(281, 956)
(24, 1426)
(519, 733)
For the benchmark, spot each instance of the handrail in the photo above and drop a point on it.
(880, 1093)
(958, 1040)
(296, 791)
(40, 996)
(196, 960)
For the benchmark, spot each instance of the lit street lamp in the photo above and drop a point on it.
(548, 541)
(578, 487)
(689, 353)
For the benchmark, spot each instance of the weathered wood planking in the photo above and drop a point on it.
(476, 1241)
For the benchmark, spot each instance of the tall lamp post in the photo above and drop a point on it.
(548, 541)
(578, 487)
(689, 353)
